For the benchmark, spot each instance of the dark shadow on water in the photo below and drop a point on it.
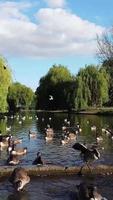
(22, 195)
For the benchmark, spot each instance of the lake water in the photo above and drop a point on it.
(55, 153)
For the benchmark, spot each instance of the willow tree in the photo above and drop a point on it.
(92, 87)
(19, 96)
(5, 82)
(59, 84)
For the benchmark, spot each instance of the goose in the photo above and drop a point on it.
(19, 152)
(93, 128)
(65, 140)
(19, 178)
(38, 160)
(88, 155)
(99, 138)
(72, 136)
(48, 138)
(49, 133)
(8, 128)
(32, 134)
(13, 160)
(17, 141)
(3, 141)
(88, 192)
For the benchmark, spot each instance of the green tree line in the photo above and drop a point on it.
(59, 89)
(89, 88)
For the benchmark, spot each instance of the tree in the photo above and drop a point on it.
(105, 46)
(92, 89)
(105, 54)
(58, 83)
(5, 81)
(19, 96)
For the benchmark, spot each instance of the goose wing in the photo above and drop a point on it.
(80, 147)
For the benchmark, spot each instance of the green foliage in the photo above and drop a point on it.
(19, 96)
(5, 81)
(108, 67)
(92, 87)
(60, 84)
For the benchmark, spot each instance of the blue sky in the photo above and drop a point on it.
(34, 35)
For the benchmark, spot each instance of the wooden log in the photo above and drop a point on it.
(54, 170)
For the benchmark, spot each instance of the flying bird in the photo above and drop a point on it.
(88, 155)
(50, 97)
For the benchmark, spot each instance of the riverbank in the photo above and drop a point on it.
(89, 111)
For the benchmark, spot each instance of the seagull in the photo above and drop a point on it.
(50, 97)
(19, 178)
(88, 155)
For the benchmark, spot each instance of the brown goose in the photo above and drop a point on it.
(19, 178)
(19, 152)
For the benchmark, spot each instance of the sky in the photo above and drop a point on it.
(36, 34)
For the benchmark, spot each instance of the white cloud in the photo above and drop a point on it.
(56, 3)
(56, 32)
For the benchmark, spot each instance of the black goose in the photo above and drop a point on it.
(88, 155)
(38, 160)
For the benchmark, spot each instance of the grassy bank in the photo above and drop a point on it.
(96, 111)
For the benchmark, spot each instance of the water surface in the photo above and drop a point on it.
(55, 153)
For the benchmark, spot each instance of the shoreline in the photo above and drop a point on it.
(91, 111)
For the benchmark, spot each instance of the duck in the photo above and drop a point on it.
(19, 178)
(38, 160)
(19, 152)
(87, 155)
(32, 134)
(88, 192)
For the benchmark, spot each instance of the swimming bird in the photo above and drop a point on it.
(88, 192)
(49, 133)
(19, 152)
(32, 134)
(8, 128)
(38, 160)
(88, 155)
(93, 128)
(13, 160)
(19, 178)
(65, 140)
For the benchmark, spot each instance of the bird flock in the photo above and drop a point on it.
(19, 178)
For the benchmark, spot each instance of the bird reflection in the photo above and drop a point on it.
(21, 195)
